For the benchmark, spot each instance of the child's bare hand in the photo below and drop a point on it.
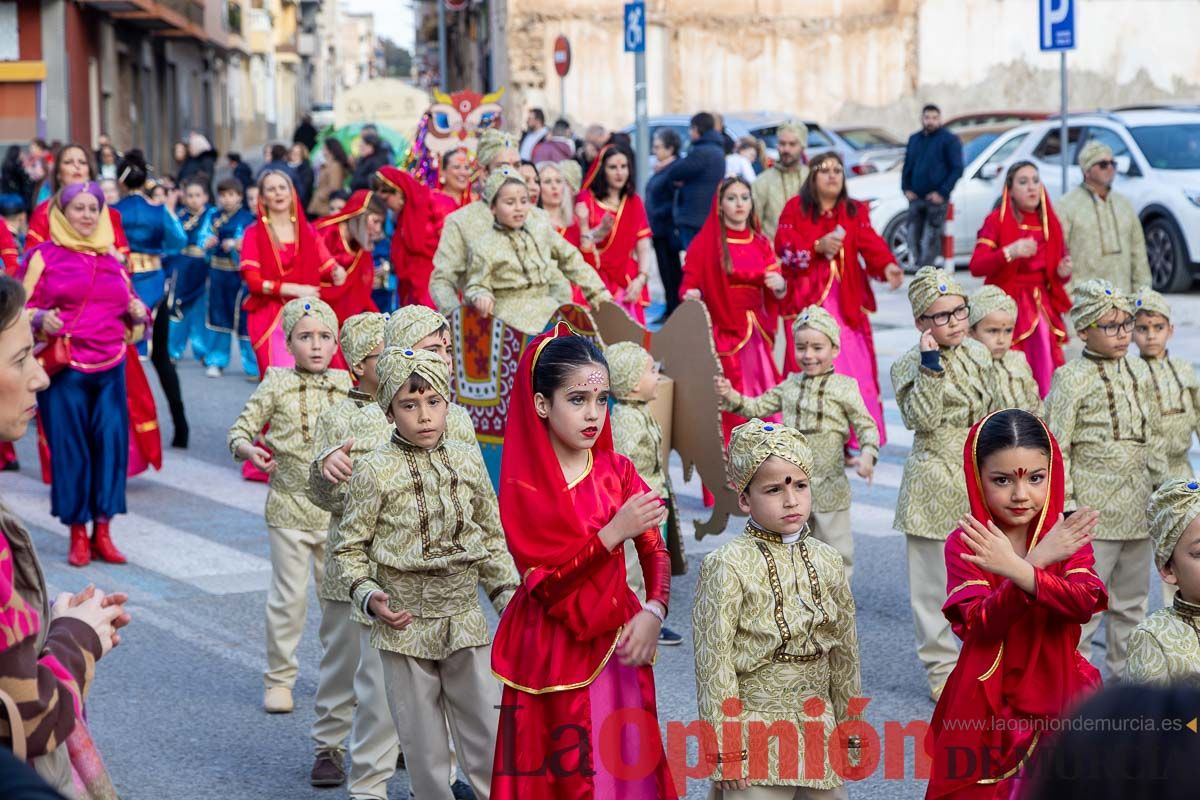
(639, 639)
(1065, 538)
(740, 785)
(337, 466)
(640, 513)
(865, 468)
(259, 457)
(928, 343)
(723, 386)
(484, 304)
(990, 549)
(397, 620)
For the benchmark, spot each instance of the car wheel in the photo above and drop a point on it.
(1169, 269)
(896, 236)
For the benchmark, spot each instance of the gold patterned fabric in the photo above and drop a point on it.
(529, 272)
(638, 437)
(772, 190)
(1093, 152)
(1107, 421)
(1165, 648)
(424, 527)
(988, 300)
(497, 179)
(302, 307)
(939, 407)
(491, 142)
(290, 401)
(818, 319)
(627, 363)
(361, 334)
(824, 408)
(1095, 298)
(466, 228)
(397, 365)
(572, 173)
(1015, 385)
(1172, 508)
(1177, 391)
(1150, 301)
(356, 417)
(1105, 239)
(409, 325)
(774, 626)
(928, 285)
(754, 441)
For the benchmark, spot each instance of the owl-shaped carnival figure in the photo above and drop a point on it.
(452, 122)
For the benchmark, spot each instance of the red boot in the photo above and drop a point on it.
(102, 545)
(80, 554)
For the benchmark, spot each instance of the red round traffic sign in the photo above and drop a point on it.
(456, 5)
(562, 56)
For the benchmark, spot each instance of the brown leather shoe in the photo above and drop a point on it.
(329, 768)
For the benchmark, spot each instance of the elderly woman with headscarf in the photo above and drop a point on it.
(201, 160)
(85, 311)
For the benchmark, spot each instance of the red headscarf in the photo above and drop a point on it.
(306, 267)
(1031, 671)
(353, 296)
(420, 224)
(357, 204)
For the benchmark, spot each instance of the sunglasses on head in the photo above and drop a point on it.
(1106, 164)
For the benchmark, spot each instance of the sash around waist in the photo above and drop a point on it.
(144, 262)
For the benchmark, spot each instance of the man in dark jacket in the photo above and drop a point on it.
(697, 177)
(373, 154)
(933, 163)
(306, 133)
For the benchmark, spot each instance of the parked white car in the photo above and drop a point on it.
(1158, 153)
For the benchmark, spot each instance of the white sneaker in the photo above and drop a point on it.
(213, 372)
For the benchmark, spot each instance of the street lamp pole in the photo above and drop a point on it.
(443, 78)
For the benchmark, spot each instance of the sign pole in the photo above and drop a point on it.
(443, 78)
(562, 97)
(643, 126)
(1062, 78)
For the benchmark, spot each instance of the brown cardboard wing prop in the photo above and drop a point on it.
(685, 347)
(486, 354)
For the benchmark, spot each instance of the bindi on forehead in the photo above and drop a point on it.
(596, 380)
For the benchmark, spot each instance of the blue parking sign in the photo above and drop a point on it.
(1056, 24)
(635, 27)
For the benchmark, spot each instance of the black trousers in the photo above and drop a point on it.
(160, 357)
(666, 250)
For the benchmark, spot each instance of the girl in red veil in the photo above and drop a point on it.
(1021, 581)
(1020, 248)
(731, 266)
(350, 236)
(574, 647)
(419, 218)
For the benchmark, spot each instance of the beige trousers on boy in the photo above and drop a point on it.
(936, 645)
(462, 684)
(833, 528)
(779, 793)
(293, 554)
(1124, 567)
(352, 703)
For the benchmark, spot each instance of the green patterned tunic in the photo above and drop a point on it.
(1105, 239)
(638, 437)
(1015, 384)
(290, 401)
(1165, 647)
(772, 189)
(774, 626)
(939, 407)
(1178, 394)
(824, 408)
(424, 527)
(1106, 418)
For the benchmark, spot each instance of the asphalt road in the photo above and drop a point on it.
(176, 708)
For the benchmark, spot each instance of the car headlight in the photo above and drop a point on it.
(1193, 195)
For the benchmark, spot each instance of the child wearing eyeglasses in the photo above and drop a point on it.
(1106, 417)
(943, 386)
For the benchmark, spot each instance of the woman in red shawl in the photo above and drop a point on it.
(822, 236)
(73, 165)
(350, 236)
(418, 229)
(614, 229)
(1020, 248)
(731, 267)
(282, 258)
(575, 644)
(1021, 581)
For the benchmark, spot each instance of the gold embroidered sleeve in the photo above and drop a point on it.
(357, 530)
(715, 615)
(768, 403)
(449, 266)
(1147, 663)
(479, 276)
(1187, 377)
(254, 416)
(331, 432)
(920, 392)
(497, 573)
(1062, 411)
(1156, 455)
(861, 421)
(845, 681)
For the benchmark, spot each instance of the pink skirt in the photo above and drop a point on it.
(856, 358)
(759, 375)
(618, 689)
(1040, 349)
(635, 309)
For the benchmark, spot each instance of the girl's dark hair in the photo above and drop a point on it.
(559, 358)
(1011, 428)
(12, 301)
(810, 202)
(1011, 175)
(132, 170)
(599, 185)
(449, 154)
(199, 179)
(55, 183)
(338, 153)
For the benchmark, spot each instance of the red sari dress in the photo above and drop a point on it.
(840, 285)
(575, 723)
(744, 312)
(574, 237)
(418, 231)
(1019, 668)
(9, 255)
(353, 296)
(266, 264)
(1033, 282)
(615, 256)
